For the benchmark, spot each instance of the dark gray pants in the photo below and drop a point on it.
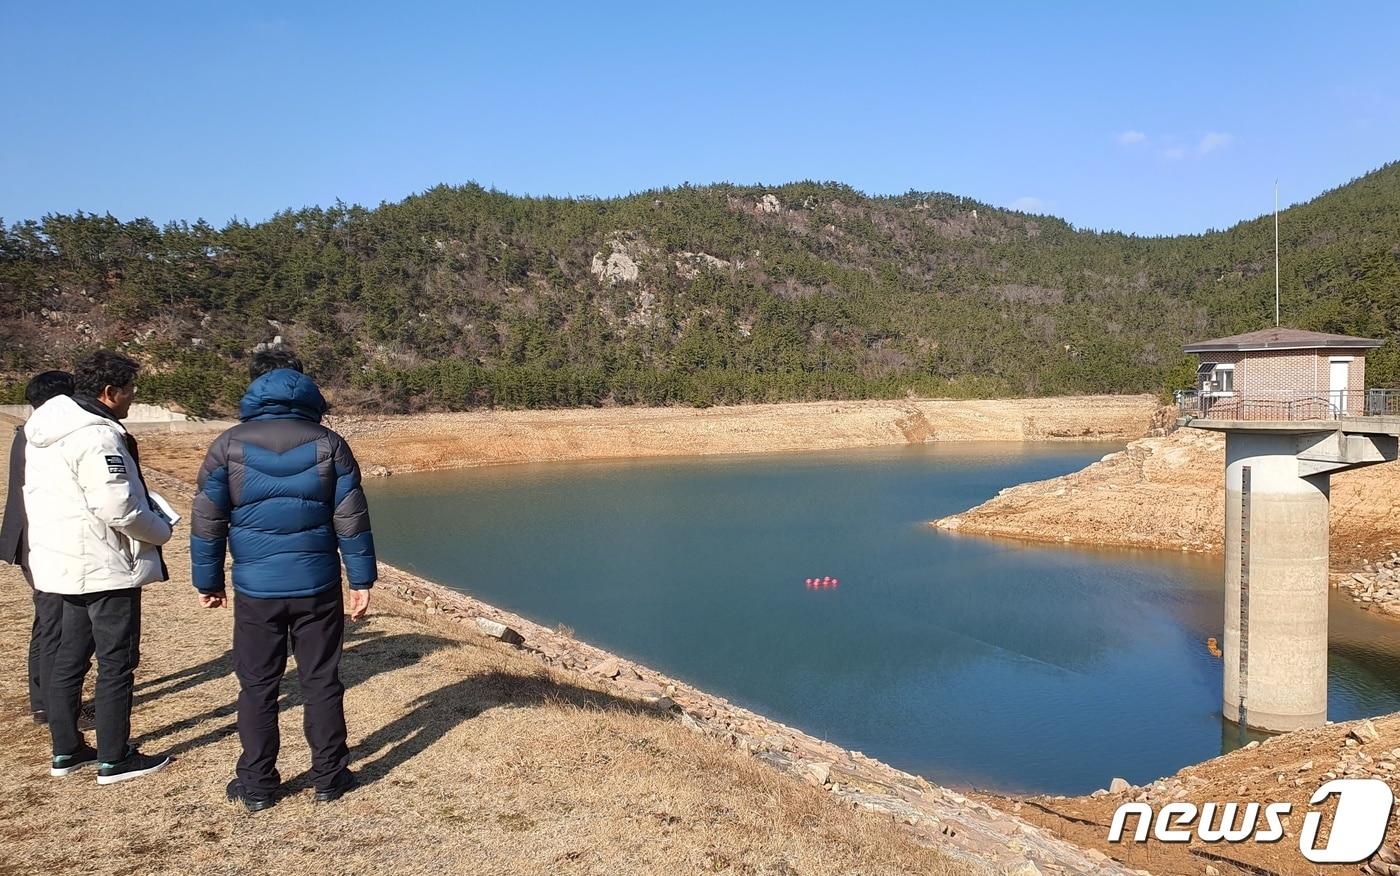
(261, 627)
(108, 624)
(44, 637)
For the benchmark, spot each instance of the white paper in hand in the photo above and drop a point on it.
(164, 507)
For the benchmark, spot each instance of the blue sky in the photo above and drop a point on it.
(1152, 118)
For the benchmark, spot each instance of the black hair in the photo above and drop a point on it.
(103, 369)
(42, 387)
(270, 360)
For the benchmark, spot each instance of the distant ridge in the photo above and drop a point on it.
(461, 297)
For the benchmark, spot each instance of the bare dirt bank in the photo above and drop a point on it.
(424, 442)
(1287, 768)
(1169, 492)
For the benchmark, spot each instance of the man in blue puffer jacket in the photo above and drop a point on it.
(282, 494)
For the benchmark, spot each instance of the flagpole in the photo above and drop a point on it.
(1276, 308)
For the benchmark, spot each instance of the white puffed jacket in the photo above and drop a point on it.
(91, 524)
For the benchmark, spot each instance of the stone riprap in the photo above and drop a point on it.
(1377, 586)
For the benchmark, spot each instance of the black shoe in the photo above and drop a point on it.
(133, 766)
(253, 801)
(344, 783)
(40, 716)
(67, 764)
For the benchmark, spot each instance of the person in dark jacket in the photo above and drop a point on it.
(14, 549)
(281, 493)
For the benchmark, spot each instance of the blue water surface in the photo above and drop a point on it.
(977, 662)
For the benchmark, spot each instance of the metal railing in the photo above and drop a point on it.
(1302, 405)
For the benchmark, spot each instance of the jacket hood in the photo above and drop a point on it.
(282, 394)
(60, 417)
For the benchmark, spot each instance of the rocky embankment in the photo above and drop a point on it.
(1160, 492)
(1286, 768)
(1168, 492)
(425, 442)
(1377, 586)
(433, 441)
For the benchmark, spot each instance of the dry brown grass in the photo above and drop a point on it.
(475, 759)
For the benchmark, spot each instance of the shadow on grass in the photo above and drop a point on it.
(427, 718)
(367, 654)
(435, 714)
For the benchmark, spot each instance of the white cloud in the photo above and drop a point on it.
(1214, 141)
(1171, 147)
(1028, 204)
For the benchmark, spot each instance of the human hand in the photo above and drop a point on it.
(359, 604)
(212, 600)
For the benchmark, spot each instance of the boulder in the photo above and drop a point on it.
(499, 631)
(1365, 732)
(1118, 786)
(608, 668)
(643, 689)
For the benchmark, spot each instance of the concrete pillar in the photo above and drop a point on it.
(1287, 684)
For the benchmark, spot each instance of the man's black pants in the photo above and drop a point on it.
(316, 625)
(44, 637)
(108, 624)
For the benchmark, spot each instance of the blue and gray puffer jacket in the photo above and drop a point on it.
(282, 493)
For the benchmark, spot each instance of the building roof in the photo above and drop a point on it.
(1281, 339)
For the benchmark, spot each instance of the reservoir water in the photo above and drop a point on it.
(971, 661)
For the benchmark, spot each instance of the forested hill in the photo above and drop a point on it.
(461, 297)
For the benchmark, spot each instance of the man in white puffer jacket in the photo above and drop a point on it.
(94, 539)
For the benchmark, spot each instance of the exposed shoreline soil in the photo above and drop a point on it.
(1286, 768)
(1169, 493)
(426, 442)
